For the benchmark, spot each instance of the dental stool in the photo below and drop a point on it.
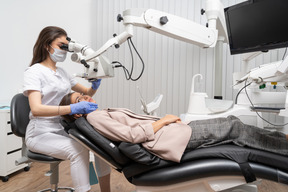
(19, 113)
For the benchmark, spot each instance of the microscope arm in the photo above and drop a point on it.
(157, 21)
(171, 26)
(116, 41)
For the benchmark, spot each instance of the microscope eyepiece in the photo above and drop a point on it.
(64, 47)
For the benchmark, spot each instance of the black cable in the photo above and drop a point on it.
(257, 111)
(284, 54)
(132, 59)
(128, 74)
(236, 98)
(143, 65)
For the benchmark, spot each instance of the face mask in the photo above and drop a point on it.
(58, 55)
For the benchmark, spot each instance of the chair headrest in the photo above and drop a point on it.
(19, 114)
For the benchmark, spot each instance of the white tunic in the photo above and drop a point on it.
(53, 86)
(45, 135)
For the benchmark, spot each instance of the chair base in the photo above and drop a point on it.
(58, 189)
(207, 184)
(53, 173)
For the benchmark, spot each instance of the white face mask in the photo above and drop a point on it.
(58, 55)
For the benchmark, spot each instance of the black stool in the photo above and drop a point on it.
(19, 111)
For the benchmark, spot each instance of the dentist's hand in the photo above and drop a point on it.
(96, 84)
(83, 107)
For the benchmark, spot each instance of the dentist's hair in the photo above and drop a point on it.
(45, 38)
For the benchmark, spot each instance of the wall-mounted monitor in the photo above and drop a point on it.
(257, 25)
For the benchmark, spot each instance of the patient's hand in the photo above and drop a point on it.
(170, 119)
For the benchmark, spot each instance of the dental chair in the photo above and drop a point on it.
(220, 168)
(19, 113)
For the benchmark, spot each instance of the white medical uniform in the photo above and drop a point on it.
(45, 134)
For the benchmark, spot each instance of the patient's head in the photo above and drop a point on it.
(72, 98)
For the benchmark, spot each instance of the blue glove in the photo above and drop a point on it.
(83, 107)
(96, 84)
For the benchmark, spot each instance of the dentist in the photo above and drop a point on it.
(45, 84)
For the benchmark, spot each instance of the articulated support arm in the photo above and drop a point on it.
(160, 22)
(171, 26)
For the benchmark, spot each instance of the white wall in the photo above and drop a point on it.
(169, 64)
(21, 22)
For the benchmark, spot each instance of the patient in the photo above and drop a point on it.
(168, 137)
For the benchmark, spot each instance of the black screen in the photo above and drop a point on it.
(257, 25)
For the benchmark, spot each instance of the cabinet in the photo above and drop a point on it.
(10, 147)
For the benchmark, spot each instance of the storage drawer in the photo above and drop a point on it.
(13, 142)
(11, 158)
(7, 123)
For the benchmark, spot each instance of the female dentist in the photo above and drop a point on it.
(45, 84)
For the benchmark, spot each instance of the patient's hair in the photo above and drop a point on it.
(66, 100)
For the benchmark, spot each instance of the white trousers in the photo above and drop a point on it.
(59, 145)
